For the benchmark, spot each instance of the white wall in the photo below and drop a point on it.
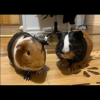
(34, 24)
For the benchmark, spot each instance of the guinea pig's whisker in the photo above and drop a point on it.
(76, 57)
(79, 53)
(78, 49)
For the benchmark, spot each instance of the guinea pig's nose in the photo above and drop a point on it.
(65, 53)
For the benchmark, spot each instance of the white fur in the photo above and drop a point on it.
(15, 49)
(66, 44)
(45, 38)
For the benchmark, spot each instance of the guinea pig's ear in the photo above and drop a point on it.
(43, 42)
(58, 34)
(20, 47)
(78, 35)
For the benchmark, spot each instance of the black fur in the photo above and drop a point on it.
(78, 45)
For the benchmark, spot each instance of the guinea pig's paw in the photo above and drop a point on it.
(71, 69)
(27, 76)
(65, 65)
(39, 72)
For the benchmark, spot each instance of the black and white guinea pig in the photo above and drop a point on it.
(27, 53)
(73, 48)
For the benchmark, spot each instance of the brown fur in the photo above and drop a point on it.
(37, 57)
(89, 48)
(15, 43)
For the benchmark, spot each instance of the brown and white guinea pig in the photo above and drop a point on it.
(73, 48)
(27, 53)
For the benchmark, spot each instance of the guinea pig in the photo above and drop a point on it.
(27, 53)
(73, 48)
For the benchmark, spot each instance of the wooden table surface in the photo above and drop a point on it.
(54, 74)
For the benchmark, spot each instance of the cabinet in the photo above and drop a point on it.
(0, 19)
(9, 19)
(14, 19)
(4, 19)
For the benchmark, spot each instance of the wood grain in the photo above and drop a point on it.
(5, 19)
(14, 19)
(55, 74)
(9, 29)
(0, 19)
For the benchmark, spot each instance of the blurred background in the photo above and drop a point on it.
(9, 20)
(33, 23)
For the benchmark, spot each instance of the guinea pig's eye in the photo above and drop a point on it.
(28, 53)
(61, 42)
